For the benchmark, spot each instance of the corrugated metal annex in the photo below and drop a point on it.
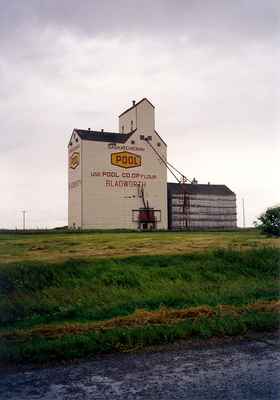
(200, 206)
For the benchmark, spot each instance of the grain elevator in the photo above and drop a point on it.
(118, 180)
(115, 180)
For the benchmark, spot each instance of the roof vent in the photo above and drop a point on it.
(89, 129)
(102, 130)
(133, 103)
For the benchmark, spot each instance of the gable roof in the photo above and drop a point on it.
(136, 104)
(197, 188)
(97, 136)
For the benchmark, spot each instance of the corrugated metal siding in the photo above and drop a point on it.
(201, 211)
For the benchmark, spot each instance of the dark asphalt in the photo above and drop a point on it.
(238, 369)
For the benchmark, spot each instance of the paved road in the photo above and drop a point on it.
(244, 369)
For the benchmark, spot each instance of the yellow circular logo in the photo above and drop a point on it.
(74, 160)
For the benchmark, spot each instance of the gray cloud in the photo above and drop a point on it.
(198, 19)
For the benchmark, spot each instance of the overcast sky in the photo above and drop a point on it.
(210, 67)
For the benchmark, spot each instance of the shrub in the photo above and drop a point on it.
(270, 221)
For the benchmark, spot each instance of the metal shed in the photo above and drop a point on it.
(200, 206)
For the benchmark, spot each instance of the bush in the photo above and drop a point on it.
(270, 221)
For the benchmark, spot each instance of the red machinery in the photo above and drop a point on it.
(148, 217)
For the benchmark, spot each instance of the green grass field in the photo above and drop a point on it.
(65, 296)
(56, 247)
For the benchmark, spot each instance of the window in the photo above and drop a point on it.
(142, 137)
(149, 137)
(123, 129)
(131, 125)
(133, 142)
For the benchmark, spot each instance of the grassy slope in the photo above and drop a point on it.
(41, 299)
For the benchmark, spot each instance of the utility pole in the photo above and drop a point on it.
(243, 208)
(23, 219)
